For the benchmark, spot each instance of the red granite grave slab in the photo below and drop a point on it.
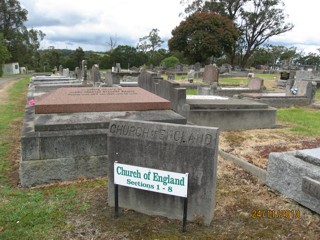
(102, 99)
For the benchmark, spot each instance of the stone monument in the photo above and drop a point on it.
(167, 147)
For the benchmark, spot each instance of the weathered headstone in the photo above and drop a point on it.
(95, 75)
(84, 71)
(117, 68)
(60, 70)
(66, 72)
(296, 174)
(77, 72)
(168, 147)
(191, 74)
(197, 66)
(303, 75)
(211, 74)
(255, 83)
(108, 79)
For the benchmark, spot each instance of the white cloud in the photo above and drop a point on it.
(87, 21)
(90, 24)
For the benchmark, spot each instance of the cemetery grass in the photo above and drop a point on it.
(78, 209)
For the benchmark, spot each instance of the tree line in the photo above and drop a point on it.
(221, 31)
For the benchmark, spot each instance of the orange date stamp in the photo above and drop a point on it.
(273, 214)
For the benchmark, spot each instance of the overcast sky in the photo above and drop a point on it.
(90, 24)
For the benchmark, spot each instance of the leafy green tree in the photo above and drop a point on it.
(4, 53)
(203, 35)
(256, 24)
(311, 59)
(128, 56)
(229, 8)
(150, 42)
(170, 62)
(265, 21)
(51, 58)
(75, 58)
(93, 58)
(23, 44)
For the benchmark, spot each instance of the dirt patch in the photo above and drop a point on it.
(239, 197)
(4, 91)
(13, 137)
(255, 146)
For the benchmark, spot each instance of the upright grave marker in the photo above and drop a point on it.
(167, 147)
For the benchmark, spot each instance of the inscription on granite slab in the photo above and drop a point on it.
(311, 187)
(70, 100)
(167, 147)
(102, 92)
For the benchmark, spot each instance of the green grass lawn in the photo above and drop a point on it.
(301, 120)
(25, 213)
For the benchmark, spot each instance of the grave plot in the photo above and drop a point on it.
(64, 134)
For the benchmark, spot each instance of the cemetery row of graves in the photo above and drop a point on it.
(221, 163)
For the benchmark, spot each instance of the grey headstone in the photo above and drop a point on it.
(108, 79)
(191, 73)
(255, 83)
(168, 147)
(96, 77)
(211, 74)
(303, 75)
(84, 71)
(60, 70)
(66, 72)
(197, 66)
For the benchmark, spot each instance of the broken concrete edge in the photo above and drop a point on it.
(261, 174)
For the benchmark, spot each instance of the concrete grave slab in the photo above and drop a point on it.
(60, 147)
(69, 100)
(168, 147)
(310, 155)
(230, 113)
(296, 174)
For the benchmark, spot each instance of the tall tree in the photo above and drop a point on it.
(150, 42)
(263, 22)
(229, 8)
(257, 21)
(75, 58)
(112, 43)
(203, 35)
(4, 53)
(23, 44)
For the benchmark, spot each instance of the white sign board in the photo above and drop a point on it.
(154, 180)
